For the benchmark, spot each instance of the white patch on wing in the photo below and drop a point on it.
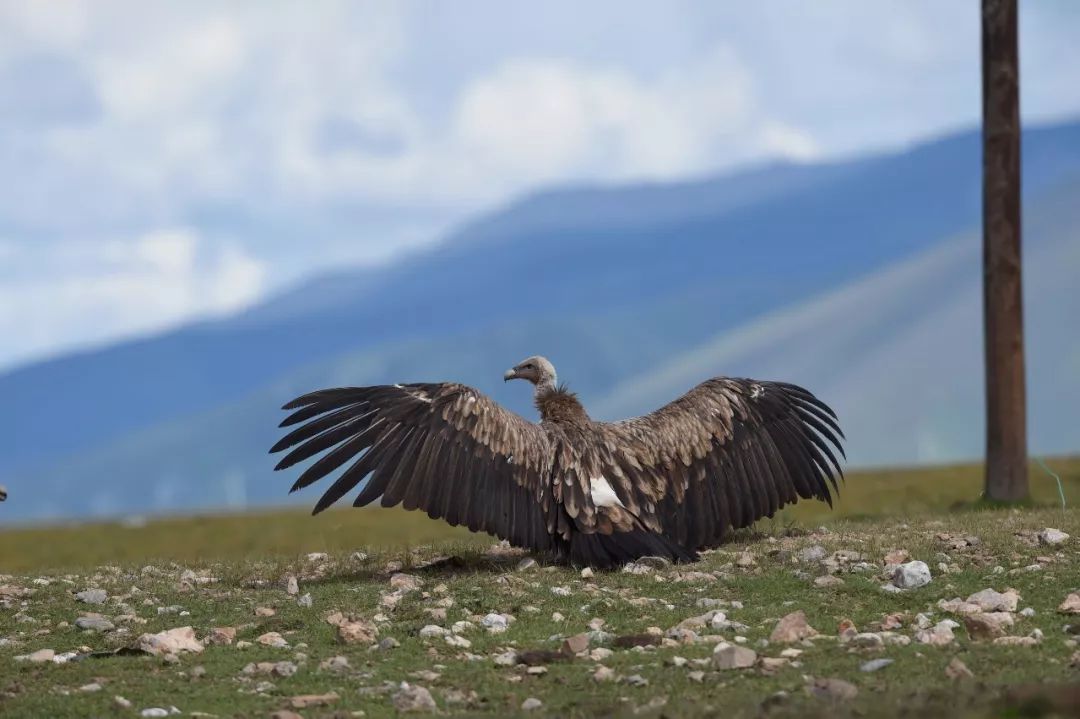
(603, 495)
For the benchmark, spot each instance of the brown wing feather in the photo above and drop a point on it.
(444, 448)
(725, 454)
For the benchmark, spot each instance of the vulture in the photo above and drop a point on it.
(599, 494)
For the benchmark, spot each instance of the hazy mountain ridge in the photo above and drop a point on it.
(634, 292)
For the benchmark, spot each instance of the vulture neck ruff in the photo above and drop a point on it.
(560, 405)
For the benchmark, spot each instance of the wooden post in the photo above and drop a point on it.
(1006, 412)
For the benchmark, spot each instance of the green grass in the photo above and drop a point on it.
(250, 557)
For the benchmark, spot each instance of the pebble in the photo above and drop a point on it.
(272, 639)
(792, 628)
(410, 698)
(603, 674)
(733, 657)
(92, 596)
(526, 563)
(812, 553)
(121, 702)
(91, 687)
(834, 689)
(874, 665)
(154, 712)
(1052, 536)
(530, 704)
(305, 601)
(97, 624)
(292, 587)
(911, 575)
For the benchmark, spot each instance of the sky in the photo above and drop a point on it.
(164, 161)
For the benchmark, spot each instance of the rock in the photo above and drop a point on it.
(222, 635)
(813, 553)
(745, 559)
(771, 665)
(792, 628)
(405, 582)
(41, 656)
(429, 631)
(846, 630)
(387, 643)
(732, 656)
(458, 642)
(526, 563)
(1052, 536)
(495, 623)
(956, 669)
(587, 573)
(171, 641)
(874, 665)
(265, 611)
(505, 659)
(987, 625)
(655, 562)
(92, 596)
(867, 640)
(304, 701)
(91, 687)
(292, 587)
(561, 591)
(940, 635)
(317, 556)
(989, 600)
(834, 689)
(154, 712)
(911, 575)
(410, 698)
(576, 644)
(357, 631)
(304, 601)
(284, 669)
(339, 665)
(530, 704)
(272, 639)
(636, 568)
(97, 624)
(285, 714)
(1027, 612)
(696, 676)
(1017, 641)
(603, 674)
(1071, 605)
(636, 680)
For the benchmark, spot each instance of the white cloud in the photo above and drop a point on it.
(287, 137)
(98, 290)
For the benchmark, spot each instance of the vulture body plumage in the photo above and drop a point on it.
(725, 454)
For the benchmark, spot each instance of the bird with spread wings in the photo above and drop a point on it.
(600, 494)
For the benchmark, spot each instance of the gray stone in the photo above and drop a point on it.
(92, 596)
(874, 664)
(911, 575)
(734, 657)
(97, 624)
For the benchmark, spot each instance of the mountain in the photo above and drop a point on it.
(855, 277)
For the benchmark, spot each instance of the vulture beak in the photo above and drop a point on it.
(509, 375)
(3, 493)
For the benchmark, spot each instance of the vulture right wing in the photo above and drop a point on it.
(725, 454)
(445, 448)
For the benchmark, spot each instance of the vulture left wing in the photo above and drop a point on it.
(725, 454)
(445, 448)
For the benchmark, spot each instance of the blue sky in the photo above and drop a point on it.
(164, 161)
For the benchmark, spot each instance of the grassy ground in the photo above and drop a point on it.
(249, 562)
(288, 532)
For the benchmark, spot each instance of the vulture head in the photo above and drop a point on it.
(3, 493)
(536, 369)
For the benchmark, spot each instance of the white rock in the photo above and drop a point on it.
(989, 600)
(495, 623)
(911, 575)
(561, 591)
(92, 596)
(459, 642)
(1052, 536)
(433, 630)
(530, 704)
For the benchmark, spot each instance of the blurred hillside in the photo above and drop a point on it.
(859, 279)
